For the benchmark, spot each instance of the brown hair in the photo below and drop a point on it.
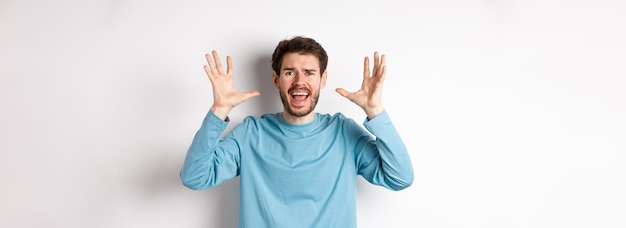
(302, 45)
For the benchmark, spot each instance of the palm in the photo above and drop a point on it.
(225, 95)
(369, 96)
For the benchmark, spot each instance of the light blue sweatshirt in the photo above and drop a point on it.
(297, 175)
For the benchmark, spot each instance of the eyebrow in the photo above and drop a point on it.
(293, 68)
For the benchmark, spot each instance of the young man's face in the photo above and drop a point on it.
(299, 83)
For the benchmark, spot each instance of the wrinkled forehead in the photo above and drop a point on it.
(300, 61)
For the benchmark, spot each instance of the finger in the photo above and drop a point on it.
(251, 94)
(209, 61)
(381, 79)
(343, 92)
(212, 72)
(218, 63)
(376, 64)
(229, 64)
(366, 68)
(381, 66)
(208, 72)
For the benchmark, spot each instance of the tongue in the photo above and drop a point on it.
(299, 97)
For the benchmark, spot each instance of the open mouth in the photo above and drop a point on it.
(299, 95)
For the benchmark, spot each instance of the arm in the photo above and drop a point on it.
(385, 160)
(209, 160)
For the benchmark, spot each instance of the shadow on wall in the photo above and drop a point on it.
(223, 200)
(269, 100)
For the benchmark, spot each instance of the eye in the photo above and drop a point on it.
(289, 73)
(310, 73)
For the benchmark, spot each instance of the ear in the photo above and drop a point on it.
(275, 78)
(323, 82)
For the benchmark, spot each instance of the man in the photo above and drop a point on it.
(297, 168)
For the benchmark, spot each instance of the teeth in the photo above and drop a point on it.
(299, 94)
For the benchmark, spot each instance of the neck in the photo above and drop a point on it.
(298, 120)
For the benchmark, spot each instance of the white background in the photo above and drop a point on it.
(513, 111)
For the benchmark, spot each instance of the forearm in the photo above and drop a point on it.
(199, 171)
(395, 170)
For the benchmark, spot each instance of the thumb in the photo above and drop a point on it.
(342, 92)
(251, 94)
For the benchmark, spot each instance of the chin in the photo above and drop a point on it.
(304, 111)
(300, 113)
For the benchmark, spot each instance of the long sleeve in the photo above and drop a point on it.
(210, 161)
(384, 160)
(297, 175)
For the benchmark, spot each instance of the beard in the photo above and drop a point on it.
(314, 97)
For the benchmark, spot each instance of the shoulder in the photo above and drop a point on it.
(264, 119)
(253, 124)
(328, 116)
(346, 125)
(337, 118)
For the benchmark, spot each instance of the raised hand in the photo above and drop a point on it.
(369, 97)
(225, 95)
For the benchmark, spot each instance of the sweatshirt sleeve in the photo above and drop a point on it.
(210, 160)
(384, 160)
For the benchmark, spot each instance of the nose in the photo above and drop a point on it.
(298, 81)
(299, 78)
(298, 84)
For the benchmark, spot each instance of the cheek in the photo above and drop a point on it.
(282, 86)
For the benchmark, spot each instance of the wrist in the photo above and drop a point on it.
(220, 111)
(373, 112)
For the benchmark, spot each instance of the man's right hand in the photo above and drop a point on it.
(225, 95)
